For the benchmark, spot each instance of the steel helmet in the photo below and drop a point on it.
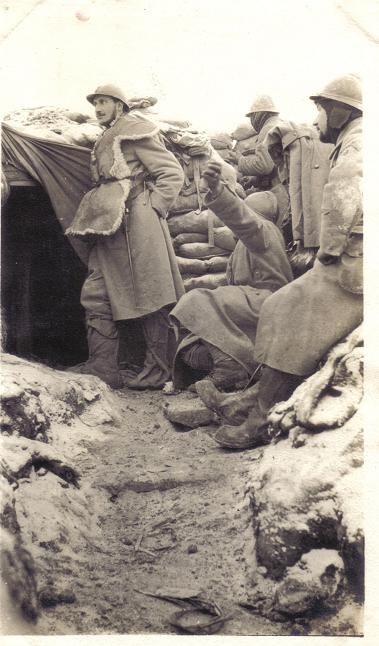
(345, 89)
(263, 103)
(264, 203)
(109, 90)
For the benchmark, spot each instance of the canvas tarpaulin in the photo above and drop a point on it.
(62, 170)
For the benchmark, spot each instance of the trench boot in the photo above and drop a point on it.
(231, 407)
(156, 370)
(226, 373)
(274, 386)
(102, 362)
(198, 357)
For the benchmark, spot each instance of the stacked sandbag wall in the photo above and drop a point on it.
(202, 245)
(201, 242)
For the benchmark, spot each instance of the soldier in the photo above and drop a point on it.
(256, 162)
(303, 320)
(222, 322)
(132, 270)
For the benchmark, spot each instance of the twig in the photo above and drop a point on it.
(138, 543)
(142, 549)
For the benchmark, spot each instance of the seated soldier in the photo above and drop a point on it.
(300, 323)
(220, 323)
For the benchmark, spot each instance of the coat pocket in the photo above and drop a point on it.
(351, 267)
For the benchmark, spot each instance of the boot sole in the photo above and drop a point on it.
(252, 445)
(226, 445)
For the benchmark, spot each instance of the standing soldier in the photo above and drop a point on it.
(256, 162)
(132, 270)
(299, 323)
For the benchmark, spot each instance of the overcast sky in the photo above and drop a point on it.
(205, 60)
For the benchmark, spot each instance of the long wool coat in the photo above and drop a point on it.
(301, 322)
(227, 316)
(133, 250)
(304, 172)
(259, 162)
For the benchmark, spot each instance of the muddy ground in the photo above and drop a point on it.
(157, 507)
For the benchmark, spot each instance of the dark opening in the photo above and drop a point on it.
(41, 280)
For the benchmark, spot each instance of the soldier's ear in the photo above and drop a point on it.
(121, 108)
(339, 116)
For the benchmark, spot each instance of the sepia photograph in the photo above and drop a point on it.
(185, 444)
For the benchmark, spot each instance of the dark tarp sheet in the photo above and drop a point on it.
(62, 169)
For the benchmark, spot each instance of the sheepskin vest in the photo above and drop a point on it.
(102, 209)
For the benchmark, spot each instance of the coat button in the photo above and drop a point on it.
(317, 165)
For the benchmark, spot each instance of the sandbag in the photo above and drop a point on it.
(141, 102)
(84, 134)
(243, 131)
(78, 117)
(184, 204)
(247, 144)
(209, 281)
(199, 250)
(194, 266)
(217, 264)
(221, 141)
(185, 238)
(224, 238)
(192, 222)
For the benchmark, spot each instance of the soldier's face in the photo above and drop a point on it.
(321, 123)
(105, 109)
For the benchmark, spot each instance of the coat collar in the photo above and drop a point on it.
(356, 124)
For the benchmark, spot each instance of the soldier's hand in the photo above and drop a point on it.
(212, 176)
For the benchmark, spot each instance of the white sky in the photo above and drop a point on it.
(205, 60)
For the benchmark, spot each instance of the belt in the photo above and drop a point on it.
(134, 191)
(357, 230)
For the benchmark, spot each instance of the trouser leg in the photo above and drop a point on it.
(223, 371)
(274, 386)
(102, 333)
(156, 370)
(226, 372)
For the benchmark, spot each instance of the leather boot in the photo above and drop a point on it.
(274, 386)
(232, 407)
(156, 370)
(102, 362)
(198, 357)
(226, 373)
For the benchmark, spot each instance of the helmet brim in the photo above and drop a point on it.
(352, 103)
(91, 98)
(263, 110)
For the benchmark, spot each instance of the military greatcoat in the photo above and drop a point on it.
(303, 320)
(132, 267)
